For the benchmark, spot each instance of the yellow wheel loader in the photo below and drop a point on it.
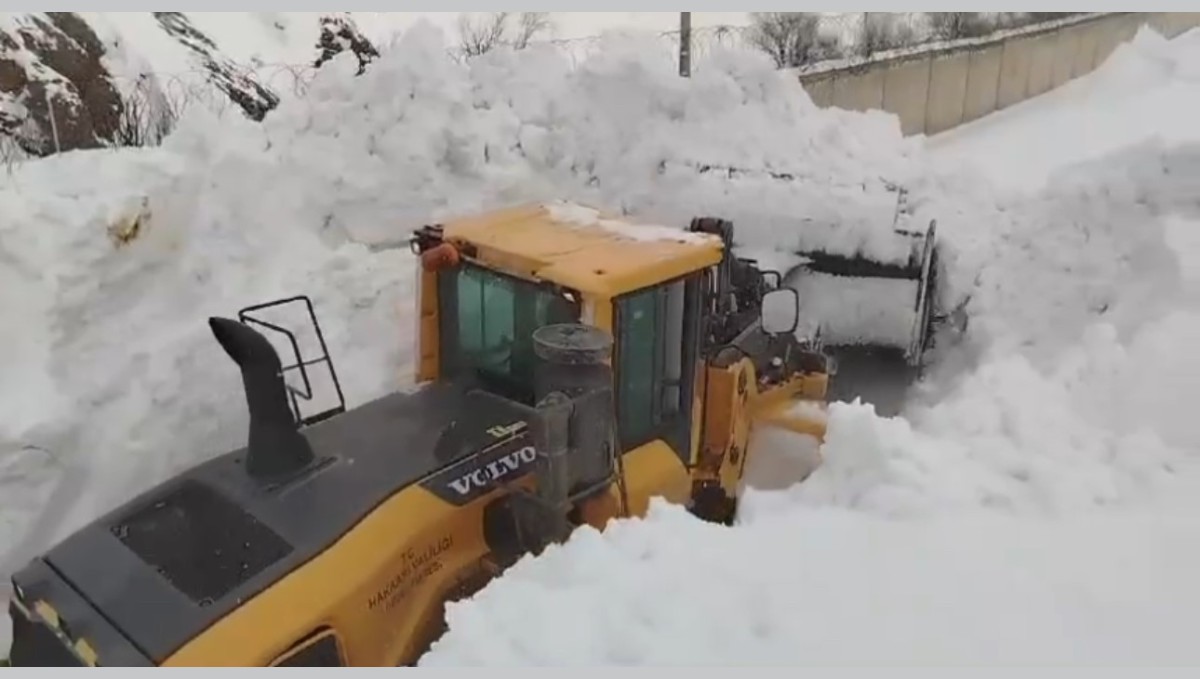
(571, 367)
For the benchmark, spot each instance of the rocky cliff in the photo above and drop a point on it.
(55, 87)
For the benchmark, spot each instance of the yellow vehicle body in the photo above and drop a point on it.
(375, 595)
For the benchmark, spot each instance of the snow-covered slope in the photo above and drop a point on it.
(122, 77)
(1045, 409)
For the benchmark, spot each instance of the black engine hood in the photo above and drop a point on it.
(177, 558)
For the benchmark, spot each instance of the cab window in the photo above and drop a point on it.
(657, 330)
(487, 324)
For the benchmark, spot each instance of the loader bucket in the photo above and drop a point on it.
(875, 318)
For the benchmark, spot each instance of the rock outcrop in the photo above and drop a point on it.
(338, 34)
(58, 94)
(238, 84)
(55, 91)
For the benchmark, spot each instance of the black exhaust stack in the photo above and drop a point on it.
(275, 446)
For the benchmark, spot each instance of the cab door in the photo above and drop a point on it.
(657, 332)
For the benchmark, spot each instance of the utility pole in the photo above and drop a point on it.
(685, 44)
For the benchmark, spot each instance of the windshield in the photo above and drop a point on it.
(487, 322)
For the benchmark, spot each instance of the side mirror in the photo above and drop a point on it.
(780, 313)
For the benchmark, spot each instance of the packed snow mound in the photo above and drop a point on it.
(1107, 427)
(1090, 246)
(1096, 174)
(621, 131)
(826, 586)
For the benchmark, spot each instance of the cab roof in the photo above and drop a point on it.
(582, 248)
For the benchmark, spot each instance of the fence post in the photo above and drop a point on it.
(53, 122)
(685, 44)
(928, 95)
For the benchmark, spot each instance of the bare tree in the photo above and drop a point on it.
(147, 118)
(884, 31)
(955, 25)
(480, 36)
(529, 26)
(791, 38)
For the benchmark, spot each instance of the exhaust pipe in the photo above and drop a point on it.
(275, 446)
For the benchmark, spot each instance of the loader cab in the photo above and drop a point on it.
(487, 318)
(519, 269)
(666, 300)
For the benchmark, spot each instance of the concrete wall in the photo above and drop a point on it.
(935, 90)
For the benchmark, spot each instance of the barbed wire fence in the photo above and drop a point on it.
(154, 102)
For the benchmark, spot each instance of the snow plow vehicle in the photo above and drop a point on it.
(570, 368)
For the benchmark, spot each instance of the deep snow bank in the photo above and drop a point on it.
(830, 587)
(622, 130)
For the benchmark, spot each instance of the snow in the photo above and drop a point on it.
(852, 311)
(139, 34)
(247, 38)
(590, 218)
(828, 586)
(1034, 504)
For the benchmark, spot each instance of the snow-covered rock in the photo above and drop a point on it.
(55, 87)
(123, 78)
(339, 33)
